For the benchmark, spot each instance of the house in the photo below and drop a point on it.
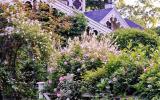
(109, 16)
(102, 21)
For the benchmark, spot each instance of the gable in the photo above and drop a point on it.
(115, 15)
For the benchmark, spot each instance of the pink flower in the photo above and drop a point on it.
(61, 79)
(65, 63)
(58, 94)
(50, 69)
(49, 81)
(145, 69)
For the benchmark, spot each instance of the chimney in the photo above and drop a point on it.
(110, 4)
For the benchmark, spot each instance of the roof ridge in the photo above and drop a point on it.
(98, 10)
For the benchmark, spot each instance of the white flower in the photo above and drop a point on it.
(149, 86)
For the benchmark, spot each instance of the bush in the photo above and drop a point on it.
(24, 56)
(135, 37)
(149, 85)
(44, 7)
(94, 75)
(92, 78)
(68, 88)
(80, 56)
(79, 24)
(123, 72)
(157, 30)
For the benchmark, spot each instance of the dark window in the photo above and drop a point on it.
(109, 25)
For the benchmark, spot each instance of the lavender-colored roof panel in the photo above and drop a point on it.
(133, 24)
(98, 15)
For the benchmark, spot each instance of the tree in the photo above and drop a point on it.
(95, 4)
(24, 57)
(143, 12)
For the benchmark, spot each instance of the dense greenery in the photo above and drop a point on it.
(56, 21)
(124, 37)
(24, 54)
(125, 73)
(26, 50)
(124, 64)
(96, 4)
(157, 30)
(24, 59)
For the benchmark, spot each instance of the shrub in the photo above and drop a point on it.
(24, 56)
(92, 78)
(125, 36)
(88, 52)
(157, 30)
(94, 75)
(79, 24)
(82, 55)
(68, 88)
(3, 21)
(44, 7)
(123, 72)
(149, 85)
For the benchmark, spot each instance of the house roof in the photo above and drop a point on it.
(98, 15)
(133, 24)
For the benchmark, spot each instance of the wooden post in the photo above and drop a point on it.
(40, 89)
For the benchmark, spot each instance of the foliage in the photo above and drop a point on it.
(94, 75)
(144, 12)
(157, 30)
(126, 76)
(119, 74)
(124, 37)
(24, 58)
(3, 21)
(85, 64)
(107, 69)
(81, 55)
(149, 85)
(78, 26)
(95, 4)
(44, 7)
(56, 21)
(68, 88)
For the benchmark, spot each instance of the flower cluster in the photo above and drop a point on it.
(92, 46)
(64, 89)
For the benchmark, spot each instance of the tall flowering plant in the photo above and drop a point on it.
(81, 55)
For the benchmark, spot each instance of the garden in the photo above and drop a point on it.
(44, 45)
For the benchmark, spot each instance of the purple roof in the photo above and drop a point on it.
(133, 24)
(98, 15)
